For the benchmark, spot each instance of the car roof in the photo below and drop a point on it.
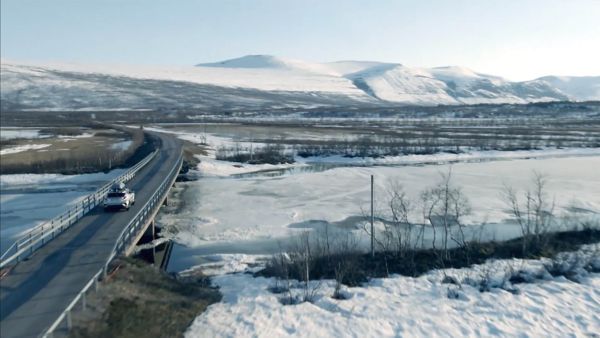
(118, 186)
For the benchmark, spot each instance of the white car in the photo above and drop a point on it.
(119, 197)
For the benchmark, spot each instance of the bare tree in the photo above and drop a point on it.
(533, 212)
(401, 225)
(445, 205)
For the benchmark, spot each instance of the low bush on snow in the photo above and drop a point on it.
(575, 266)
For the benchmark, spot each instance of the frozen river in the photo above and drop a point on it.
(252, 213)
(30, 199)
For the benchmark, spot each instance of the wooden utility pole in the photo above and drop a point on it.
(372, 221)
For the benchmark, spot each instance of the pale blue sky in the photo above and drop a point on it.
(518, 39)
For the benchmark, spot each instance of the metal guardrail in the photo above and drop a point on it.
(41, 234)
(124, 240)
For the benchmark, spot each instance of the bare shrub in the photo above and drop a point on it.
(575, 265)
(400, 229)
(455, 290)
(279, 265)
(302, 259)
(344, 261)
(270, 153)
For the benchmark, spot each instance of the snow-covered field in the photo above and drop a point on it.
(409, 307)
(29, 199)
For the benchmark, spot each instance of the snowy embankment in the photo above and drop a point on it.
(211, 167)
(414, 307)
(22, 148)
(469, 156)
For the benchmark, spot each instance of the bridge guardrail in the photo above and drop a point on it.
(39, 235)
(125, 237)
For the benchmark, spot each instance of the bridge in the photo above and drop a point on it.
(49, 272)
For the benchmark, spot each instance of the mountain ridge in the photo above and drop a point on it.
(285, 82)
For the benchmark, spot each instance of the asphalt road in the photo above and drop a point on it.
(37, 290)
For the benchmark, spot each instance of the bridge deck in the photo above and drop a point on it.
(37, 290)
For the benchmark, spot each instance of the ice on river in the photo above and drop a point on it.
(30, 199)
(250, 208)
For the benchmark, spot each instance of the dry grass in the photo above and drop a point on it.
(141, 301)
(72, 155)
(190, 150)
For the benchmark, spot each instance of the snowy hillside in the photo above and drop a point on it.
(448, 85)
(262, 82)
(271, 62)
(78, 87)
(581, 87)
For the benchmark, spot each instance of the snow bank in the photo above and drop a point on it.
(221, 264)
(9, 181)
(212, 167)
(407, 307)
(123, 145)
(73, 137)
(471, 156)
(28, 179)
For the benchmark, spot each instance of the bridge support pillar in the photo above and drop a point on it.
(166, 201)
(153, 238)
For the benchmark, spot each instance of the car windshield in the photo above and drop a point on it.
(116, 194)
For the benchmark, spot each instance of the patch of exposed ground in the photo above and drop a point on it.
(190, 150)
(139, 300)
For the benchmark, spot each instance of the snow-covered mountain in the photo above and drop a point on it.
(579, 87)
(261, 81)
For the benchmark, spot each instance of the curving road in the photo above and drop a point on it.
(37, 290)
